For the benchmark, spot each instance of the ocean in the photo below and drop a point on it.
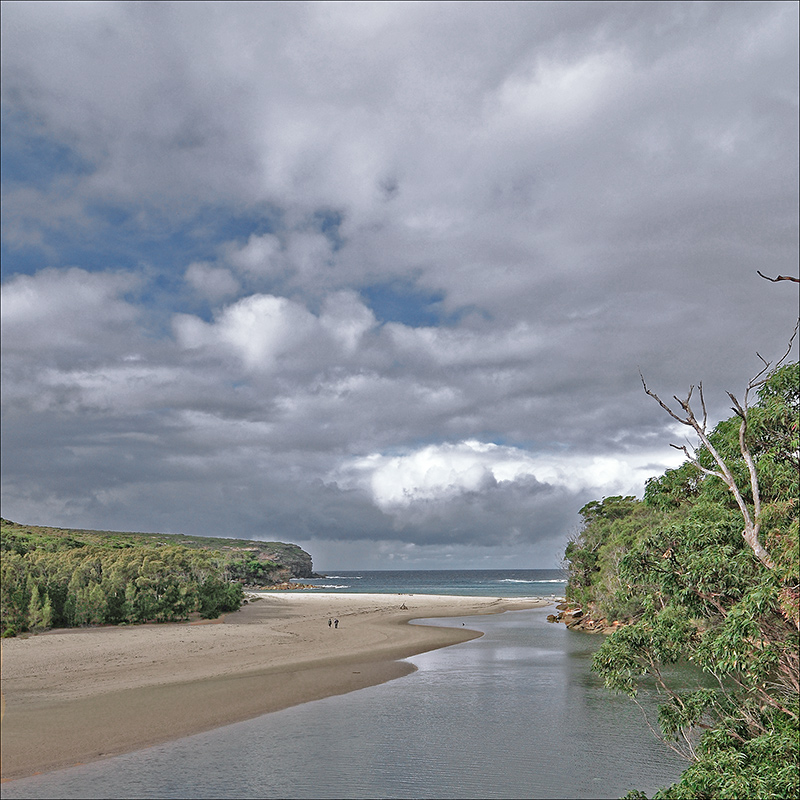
(545, 583)
(514, 714)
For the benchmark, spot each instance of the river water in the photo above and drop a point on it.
(514, 714)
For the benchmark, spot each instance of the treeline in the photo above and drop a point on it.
(676, 568)
(51, 578)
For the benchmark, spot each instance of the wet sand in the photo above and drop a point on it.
(74, 696)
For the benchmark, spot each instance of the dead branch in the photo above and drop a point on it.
(752, 522)
(778, 278)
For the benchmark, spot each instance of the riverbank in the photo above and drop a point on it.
(78, 695)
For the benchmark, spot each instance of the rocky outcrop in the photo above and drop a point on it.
(291, 560)
(575, 618)
(295, 559)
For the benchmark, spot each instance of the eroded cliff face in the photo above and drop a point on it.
(285, 560)
(292, 557)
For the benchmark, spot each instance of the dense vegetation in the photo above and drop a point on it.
(677, 568)
(52, 577)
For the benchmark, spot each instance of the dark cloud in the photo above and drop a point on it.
(380, 278)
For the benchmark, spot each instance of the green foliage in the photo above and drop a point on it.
(677, 569)
(22, 538)
(217, 596)
(51, 577)
(733, 763)
(611, 527)
(252, 571)
(674, 488)
(95, 585)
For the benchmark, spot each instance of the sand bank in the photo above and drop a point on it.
(74, 696)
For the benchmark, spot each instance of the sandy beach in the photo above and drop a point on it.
(74, 696)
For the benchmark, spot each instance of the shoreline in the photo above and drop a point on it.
(78, 695)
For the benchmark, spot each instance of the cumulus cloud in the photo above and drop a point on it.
(443, 472)
(257, 256)
(65, 310)
(258, 329)
(214, 283)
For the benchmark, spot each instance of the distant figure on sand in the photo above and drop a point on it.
(329, 622)
(336, 623)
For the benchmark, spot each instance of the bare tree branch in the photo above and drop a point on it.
(752, 522)
(778, 278)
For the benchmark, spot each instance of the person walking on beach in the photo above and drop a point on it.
(329, 622)
(336, 623)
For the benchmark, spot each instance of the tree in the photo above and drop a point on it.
(751, 512)
(35, 609)
(700, 592)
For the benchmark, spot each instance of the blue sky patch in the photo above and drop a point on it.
(120, 241)
(403, 301)
(35, 160)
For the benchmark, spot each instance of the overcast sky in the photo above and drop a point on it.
(378, 278)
